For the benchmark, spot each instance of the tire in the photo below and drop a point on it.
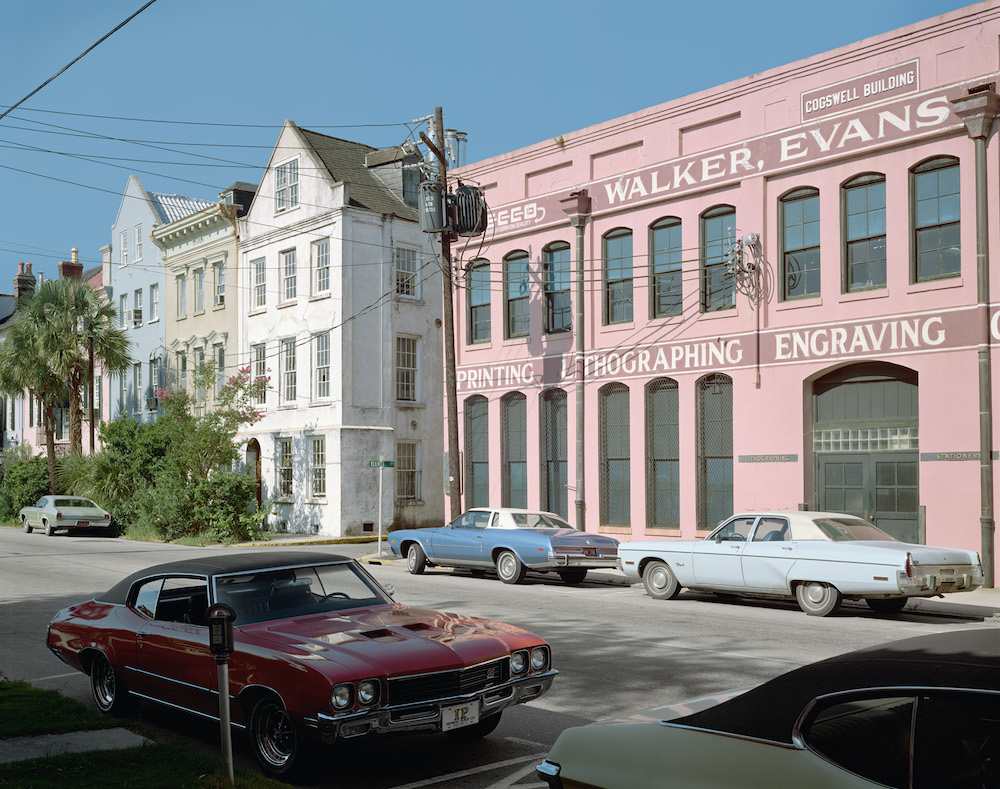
(659, 581)
(27, 526)
(110, 694)
(573, 577)
(416, 561)
(49, 528)
(277, 745)
(476, 731)
(817, 599)
(510, 569)
(890, 605)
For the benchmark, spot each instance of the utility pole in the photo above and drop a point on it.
(451, 394)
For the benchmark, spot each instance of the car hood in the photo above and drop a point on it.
(390, 641)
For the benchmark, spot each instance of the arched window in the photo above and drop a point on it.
(718, 232)
(617, 251)
(615, 471)
(715, 450)
(477, 452)
(662, 455)
(800, 244)
(517, 289)
(514, 450)
(666, 257)
(478, 283)
(554, 452)
(864, 232)
(936, 219)
(558, 307)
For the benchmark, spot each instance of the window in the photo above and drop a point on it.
(714, 468)
(259, 269)
(406, 369)
(219, 284)
(864, 233)
(122, 395)
(663, 489)
(137, 307)
(514, 450)
(288, 276)
(286, 185)
(317, 466)
(558, 307)
(615, 460)
(407, 471)
(411, 185)
(283, 465)
(182, 370)
(936, 226)
(123, 311)
(667, 259)
(154, 370)
(516, 287)
(136, 387)
(138, 243)
(199, 375)
(321, 265)
(199, 290)
(181, 296)
(219, 352)
(617, 276)
(260, 369)
(406, 272)
(555, 483)
(123, 242)
(154, 302)
(477, 452)
(321, 364)
(288, 378)
(800, 244)
(478, 281)
(718, 230)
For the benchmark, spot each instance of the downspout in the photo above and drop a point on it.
(978, 110)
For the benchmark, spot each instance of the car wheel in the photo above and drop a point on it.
(24, 522)
(277, 746)
(110, 693)
(574, 576)
(660, 582)
(509, 568)
(890, 605)
(416, 561)
(817, 599)
(476, 731)
(49, 528)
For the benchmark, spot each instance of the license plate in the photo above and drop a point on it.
(590, 551)
(83, 524)
(459, 715)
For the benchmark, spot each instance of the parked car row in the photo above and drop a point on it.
(817, 558)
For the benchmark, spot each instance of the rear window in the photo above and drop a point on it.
(74, 503)
(847, 529)
(538, 520)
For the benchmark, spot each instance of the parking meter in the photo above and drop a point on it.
(220, 630)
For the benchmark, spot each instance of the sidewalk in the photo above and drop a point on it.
(19, 749)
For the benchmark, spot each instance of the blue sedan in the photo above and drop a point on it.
(510, 540)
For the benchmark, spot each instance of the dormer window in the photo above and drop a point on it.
(286, 185)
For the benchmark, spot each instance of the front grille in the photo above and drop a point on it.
(427, 687)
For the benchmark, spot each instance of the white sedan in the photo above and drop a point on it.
(53, 513)
(819, 558)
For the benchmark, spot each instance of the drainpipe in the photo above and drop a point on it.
(577, 205)
(978, 110)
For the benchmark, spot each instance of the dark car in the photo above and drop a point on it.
(322, 653)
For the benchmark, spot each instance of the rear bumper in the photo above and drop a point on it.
(940, 580)
(557, 561)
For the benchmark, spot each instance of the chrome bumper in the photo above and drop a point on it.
(936, 581)
(426, 715)
(559, 560)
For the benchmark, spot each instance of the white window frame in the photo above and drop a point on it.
(404, 470)
(260, 369)
(123, 311)
(405, 263)
(407, 375)
(199, 290)
(182, 370)
(219, 284)
(286, 185)
(289, 374)
(137, 307)
(289, 275)
(123, 242)
(137, 384)
(321, 265)
(219, 354)
(138, 243)
(154, 302)
(199, 365)
(284, 467)
(321, 366)
(181, 281)
(258, 268)
(317, 467)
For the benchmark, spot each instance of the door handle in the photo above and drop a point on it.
(786, 548)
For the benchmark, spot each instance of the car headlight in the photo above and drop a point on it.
(519, 662)
(368, 692)
(342, 696)
(539, 658)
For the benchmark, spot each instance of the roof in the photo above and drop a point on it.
(220, 564)
(170, 208)
(345, 161)
(962, 659)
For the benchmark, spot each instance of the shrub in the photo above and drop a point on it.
(25, 481)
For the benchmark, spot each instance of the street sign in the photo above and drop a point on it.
(382, 464)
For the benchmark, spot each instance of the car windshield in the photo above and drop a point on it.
(538, 520)
(266, 595)
(847, 529)
(74, 503)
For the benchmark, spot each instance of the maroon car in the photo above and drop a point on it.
(322, 653)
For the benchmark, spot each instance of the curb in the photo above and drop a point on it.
(19, 749)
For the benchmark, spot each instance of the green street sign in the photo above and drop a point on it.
(382, 464)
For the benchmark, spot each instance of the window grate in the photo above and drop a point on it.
(554, 452)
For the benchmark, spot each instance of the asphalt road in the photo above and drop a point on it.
(617, 651)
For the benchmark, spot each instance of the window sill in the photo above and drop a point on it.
(614, 529)
(286, 304)
(613, 328)
(409, 502)
(798, 304)
(316, 500)
(217, 307)
(181, 317)
(662, 531)
(282, 211)
(484, 345)
(153, 320)
(288, 406)
(320, 296)
(257, 311)
(718, 315)
(410, 404)
(287, 499)
(416, 301)
(936, 284)
(323, 403)
(864, 295)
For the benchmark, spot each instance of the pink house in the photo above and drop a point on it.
(764, 295)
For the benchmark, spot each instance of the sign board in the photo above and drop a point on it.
(381, 464)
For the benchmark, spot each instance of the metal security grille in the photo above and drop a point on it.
(554, 452)
(514, 450)
(615, 472)
(477, 452)
(662, 455)
(715, 449)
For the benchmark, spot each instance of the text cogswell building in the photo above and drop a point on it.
(764, 295)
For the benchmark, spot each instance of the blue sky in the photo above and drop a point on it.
(228, 73)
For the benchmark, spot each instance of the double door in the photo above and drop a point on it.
(881, 487)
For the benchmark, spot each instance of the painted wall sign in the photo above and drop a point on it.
(936, 456)
(769, 458)
(867, 89)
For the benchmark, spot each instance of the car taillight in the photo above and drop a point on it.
(58, 516)
(107, 517)
(909, 566)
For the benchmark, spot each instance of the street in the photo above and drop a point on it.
(617, 650)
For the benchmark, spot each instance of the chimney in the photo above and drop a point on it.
(72, 269)
(24, 281)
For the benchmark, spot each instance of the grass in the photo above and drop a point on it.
(29, 711)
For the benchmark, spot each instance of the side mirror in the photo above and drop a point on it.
(389, 589)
